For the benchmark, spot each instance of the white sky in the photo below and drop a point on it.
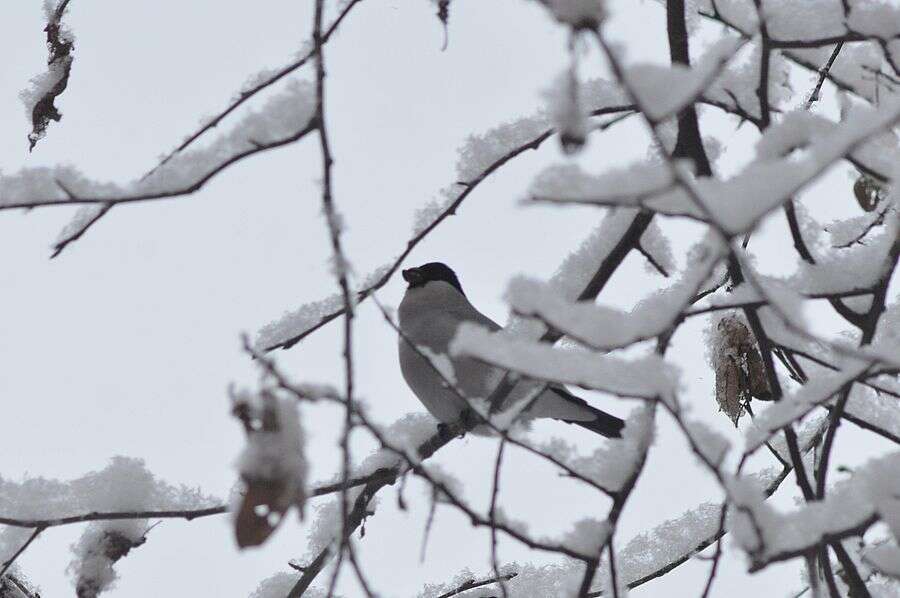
(126, 343)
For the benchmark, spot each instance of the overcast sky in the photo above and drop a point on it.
(126, 343)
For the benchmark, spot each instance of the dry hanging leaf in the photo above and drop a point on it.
(272, 466)
(756, 373)
(740, 372)
(261, 510)
(728, 394)
(443, 14)
(868, 192)
(48, 86)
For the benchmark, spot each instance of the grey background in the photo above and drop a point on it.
(126, 343)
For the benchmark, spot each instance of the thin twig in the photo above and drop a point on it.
(9, 562)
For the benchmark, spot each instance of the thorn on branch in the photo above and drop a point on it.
(652, 260)
(297, 567)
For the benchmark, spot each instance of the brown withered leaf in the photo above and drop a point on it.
(728, 394)
(443, 15)
(740, 372)
(262, 509)
(272, 485)
(60, 46)
(756, 373)
(868, 192)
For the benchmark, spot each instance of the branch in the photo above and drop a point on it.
(248, 93)
(9, 562)
(188, 514)
(72, 199)
(447, 432)
(823, 74)
(702, 545)
(472, 584)
(450, 210)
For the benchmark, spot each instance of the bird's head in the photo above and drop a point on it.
(433, 271)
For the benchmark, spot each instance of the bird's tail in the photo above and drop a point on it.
(602, 422)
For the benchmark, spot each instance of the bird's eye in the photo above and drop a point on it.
(413, 276)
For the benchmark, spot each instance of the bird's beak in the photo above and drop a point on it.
(412, 276)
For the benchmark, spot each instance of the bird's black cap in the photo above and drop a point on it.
(417, 277)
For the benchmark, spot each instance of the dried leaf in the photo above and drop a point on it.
(728, 390)
(262, 509)
(868, 192)
(756, 372)
(740, 371)
(443, 14)
(51, 84)
(272, 466)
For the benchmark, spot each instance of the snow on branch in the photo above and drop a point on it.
(256, 84)
(810, 24)
(632, 186)
(284, 332)
(808, 45)
(650, 551)
(735, 89)
(873, 411)
(284, 119)
(462, 583)
(849, 509)
(605, 328)
(738, 204)
(583, 274)
(662, 92)
(279, 585)
(647, 377)
(479, 157)
(89, 215)
(118, 500)
(792, 407)
(884, 558)
(39, 99)
(858, 72)
(614, 462)
(97, 551)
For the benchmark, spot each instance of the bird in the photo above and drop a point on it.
(432, 308)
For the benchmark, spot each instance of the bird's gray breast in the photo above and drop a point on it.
(429, 320)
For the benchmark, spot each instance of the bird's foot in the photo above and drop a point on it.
(468, 419)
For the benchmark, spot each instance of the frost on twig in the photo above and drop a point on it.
(272, 466)
(45, 88)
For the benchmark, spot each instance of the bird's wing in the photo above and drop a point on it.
(557, 402)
